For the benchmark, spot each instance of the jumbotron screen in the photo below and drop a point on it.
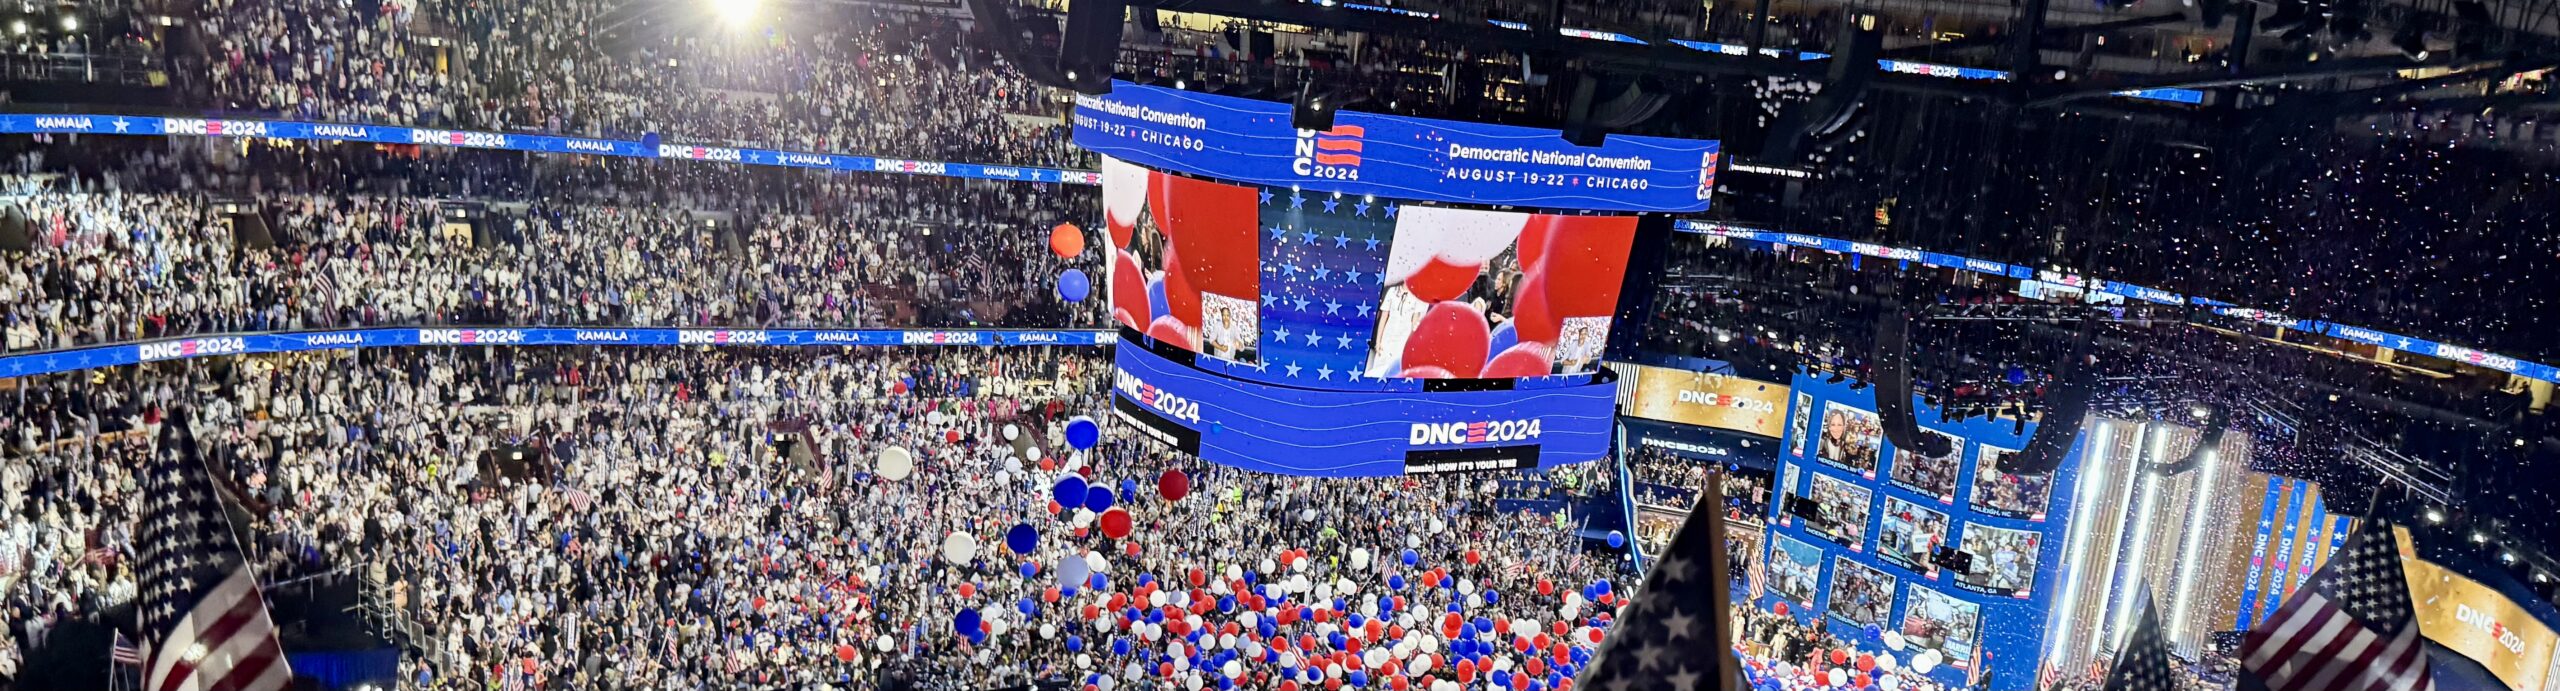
(1329, 291)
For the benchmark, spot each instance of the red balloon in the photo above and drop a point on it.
(1526, 359)
(1425, 373)
(1474, 557)
(1179, 297)
(1546, 587)
(1438, 280)
(1130, 547)
(1129, 290)
(951, 436)
(1213, 226)
(1090, 611)
(1584, 261)
(1049, 465)
(844, 652)
(1115, 523)
(1839, 657)
(1066, 240)
(1781, 609)
(1049, 595)
(1452, 336)
(1530, 317)
(1538, 666)
(1170, 330)
(968, 590)
(1397, 682)
(1861, 681)
(1532, 245)
(1866, 662)
(1519, 681)
(1173, 485)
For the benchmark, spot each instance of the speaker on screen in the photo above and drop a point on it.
(1952, 559)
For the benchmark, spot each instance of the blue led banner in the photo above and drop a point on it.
(508, 141)
(2258, 554)
(206, 346)
(1292, 431)
(1252, 141)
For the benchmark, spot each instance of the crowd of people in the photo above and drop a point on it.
(113, 267)
(724, 519)
(869, 81)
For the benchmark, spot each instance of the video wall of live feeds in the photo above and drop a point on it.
(1304, 321)
(1943, 560)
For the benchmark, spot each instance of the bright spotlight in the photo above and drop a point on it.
(2434, 516)
(18, 26)
(738, 14)
(70, 23)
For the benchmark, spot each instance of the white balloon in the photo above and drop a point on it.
(1095, 561)
(1030, 454)
(1333, 671)
(1156, 599)
(1001, 624)
(1298, 564)
(1189, 682)
(1307, 516)
(1467, 237)
(1502, 664)
(884, 643)
(1887, 663)
(1374, 658)
(958, 548)
(1234, 572)
(896, 463)
(1417, 666)
(1466, 586)
(1012, 432)
(1893, 640)
(1324, 591)
(1232, 669)
(1269, 567)
(1249, 619)
(933, 418)
(1924, 662)
(1359, 557)
(1048, 630)
(1226, 641)
(1437, 526)
(1889, 682)
(1288, 659)
(1124, 193)
(1413, 542)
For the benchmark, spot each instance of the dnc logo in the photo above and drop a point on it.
(1332, 154)
(192, 348)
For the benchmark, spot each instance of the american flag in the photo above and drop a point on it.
(1681, 609)
(125, 653)
(2143, 664)
(2350, 627)
(201, 610)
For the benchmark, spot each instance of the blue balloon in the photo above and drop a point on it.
(1358, 621)
(1026, 606)
(1073, 285)
(966, 623)
(1069, 492)
(1030, 569)
(1082, 433)
(1411, 559)
(1098, 499)
(1101, 581)
(1120, 647)
(1156, 303)
(1227, 603)
(1492, 598)
(1396, 582)
(1617, 540)
(1504, 337)
(1022, 538)
(1501, 678)
(1075, 642)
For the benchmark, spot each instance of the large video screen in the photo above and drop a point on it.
(1284, 286)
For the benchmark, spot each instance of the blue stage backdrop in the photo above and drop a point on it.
(1294, 431)
(1865, 565)
(1406, 158)
(207, 346)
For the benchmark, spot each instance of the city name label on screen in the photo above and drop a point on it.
(1334, 433)
(507, 141)
(1395, 157)
(209, 346)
